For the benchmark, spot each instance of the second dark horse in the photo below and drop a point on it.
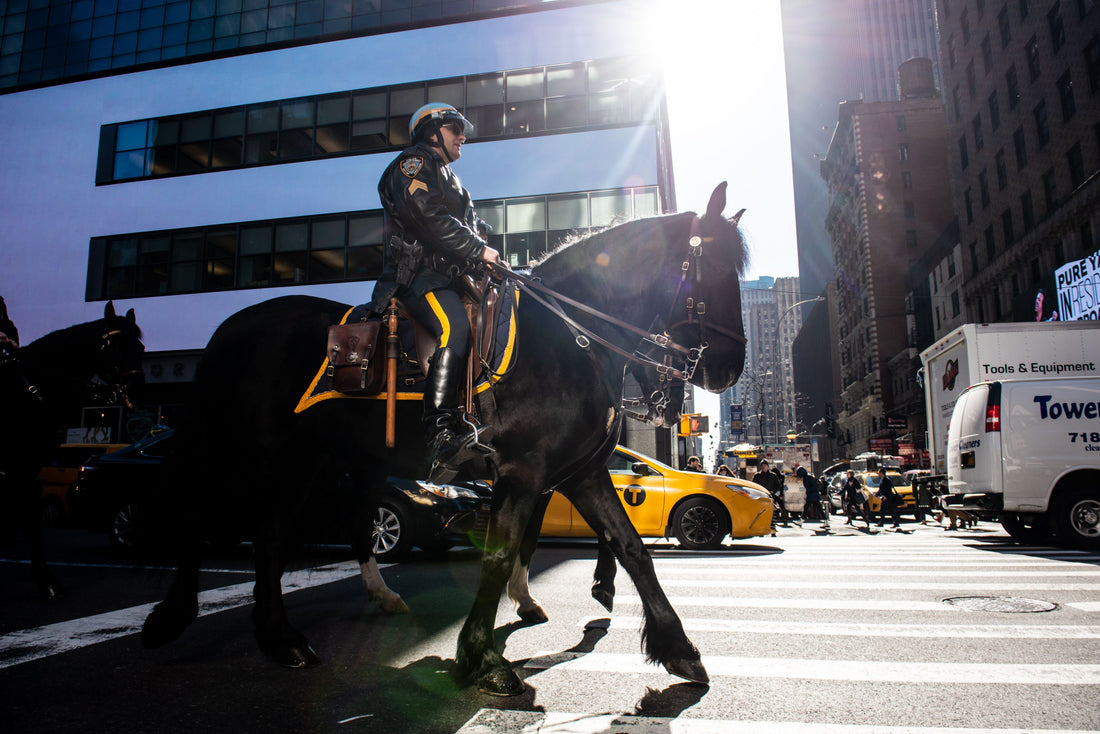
(556, 418)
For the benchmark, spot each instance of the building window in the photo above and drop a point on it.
(1033, 66)
(1042, 124)
(1006, 227)
(981, 9)
(910, 210)
(1057, 27)
(332, 247)
(994, 111)
(973, 247)
(964, 24)
(976, 126)
(956, 101)
(952, 52)
(1076, 166)
(990, 244)
(911, 239)
(996, 303)
(1025, 9)
(1020, 147)
(987, 54)
(1092, 63)
(533, 101)
(1002, 169)
(968, 201)
(983, 188)
(1065, 96)
(1050, 190)
(964, 157)
(955, 306)
(1027, 211)
(906, 181)
(1013, 84)
(899, 121)
(1015, 284)
(951, 266)
(903, 152)
(971, 81)
(1004, 27)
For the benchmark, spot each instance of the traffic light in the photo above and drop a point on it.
(694, 425)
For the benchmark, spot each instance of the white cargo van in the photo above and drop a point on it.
(1027, 452)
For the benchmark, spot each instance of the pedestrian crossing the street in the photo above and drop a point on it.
(848, 637)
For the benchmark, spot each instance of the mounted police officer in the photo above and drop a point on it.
(432, 234)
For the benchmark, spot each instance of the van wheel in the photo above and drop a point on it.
(700, 523)
(1077, 518)
(1033, 529)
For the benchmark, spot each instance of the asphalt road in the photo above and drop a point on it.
(809, 632)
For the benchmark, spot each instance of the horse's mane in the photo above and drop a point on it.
(79, 332)
(573, 254)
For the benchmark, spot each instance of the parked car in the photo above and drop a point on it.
(59, 474)
(700, 510)
(114, 491)
(904, 489)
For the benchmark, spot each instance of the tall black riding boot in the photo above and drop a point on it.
(452, 443)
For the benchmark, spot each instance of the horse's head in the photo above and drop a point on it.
(710, 304)
(118, 354)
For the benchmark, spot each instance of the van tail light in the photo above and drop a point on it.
(993, 409)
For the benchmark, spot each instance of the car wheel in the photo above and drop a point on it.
(391, 537)
(125, 526)
(1077, 518)
(1032, 530)
(700, 523)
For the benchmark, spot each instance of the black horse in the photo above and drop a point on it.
(43, 385)
(556, 417)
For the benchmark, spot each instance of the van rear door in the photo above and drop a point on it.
(974, 441)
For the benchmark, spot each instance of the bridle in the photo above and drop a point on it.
(675, 361)
(117, 378)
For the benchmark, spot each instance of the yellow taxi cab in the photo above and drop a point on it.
(870, 482)
(700, 510)
(59, 474)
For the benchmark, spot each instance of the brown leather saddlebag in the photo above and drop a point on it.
(356, 357)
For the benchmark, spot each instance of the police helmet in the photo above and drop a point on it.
(426, 120)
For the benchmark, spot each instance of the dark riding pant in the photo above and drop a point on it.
(442, 313)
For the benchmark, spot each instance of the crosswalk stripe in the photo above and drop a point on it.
(839, 670)
(886, 605)
(25, 645)
(962, 584)
(892, 571)
(864, 629)
(1051, 564)
(495, 721)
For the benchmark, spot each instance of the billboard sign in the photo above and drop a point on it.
(1079, 289)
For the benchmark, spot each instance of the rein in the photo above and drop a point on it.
(691, 276)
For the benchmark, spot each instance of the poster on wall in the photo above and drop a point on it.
(1079, 289)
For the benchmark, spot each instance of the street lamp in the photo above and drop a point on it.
(778, 362)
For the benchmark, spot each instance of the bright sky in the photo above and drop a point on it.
(727, 101)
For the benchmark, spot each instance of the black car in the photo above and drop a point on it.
(114, 491)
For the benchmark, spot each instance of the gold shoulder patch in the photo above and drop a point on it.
(412, 165)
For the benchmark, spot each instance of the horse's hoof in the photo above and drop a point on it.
(395, 605)
(604, 597)
(534, 615)
(299, 656)
(162, 627)
(691, 670)
(501, 682)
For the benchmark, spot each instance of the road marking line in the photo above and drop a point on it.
(496, 721)
(875, 585)
(732, 572)
(741, 563)
(961, 631)
(888, 605)
(25, 645)
(1078, 674)
(1085, 606)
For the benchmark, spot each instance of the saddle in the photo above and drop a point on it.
(355, 364)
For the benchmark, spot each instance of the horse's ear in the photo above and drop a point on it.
(736, 218)
(133, 317)
(717, 202)
(109, 310)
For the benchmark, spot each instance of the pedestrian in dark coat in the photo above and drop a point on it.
(890, 500)
(772, 482)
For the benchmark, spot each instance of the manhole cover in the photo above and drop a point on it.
(1000, 604)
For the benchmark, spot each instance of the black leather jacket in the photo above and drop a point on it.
(424, 201)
